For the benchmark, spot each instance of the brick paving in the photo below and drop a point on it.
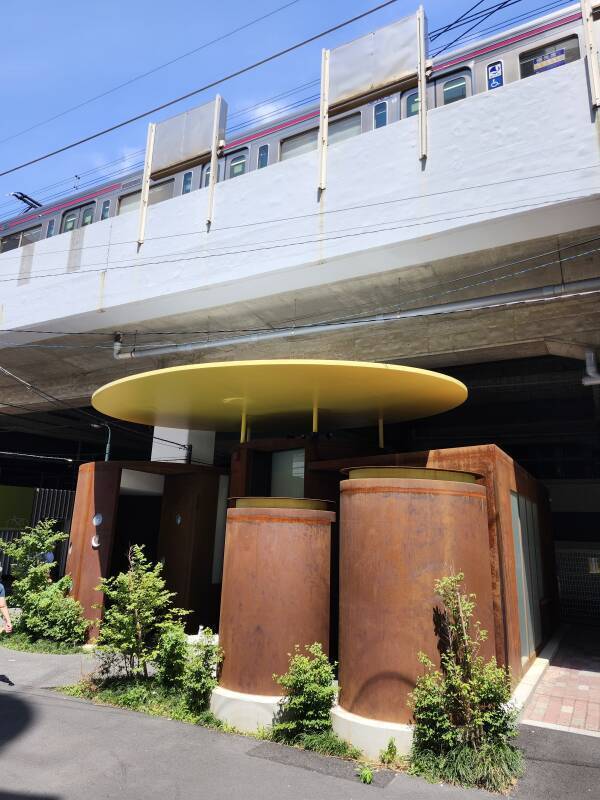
(568, 694)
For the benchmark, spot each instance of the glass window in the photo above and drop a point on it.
(237, 166)
(287, 473)
(69, 221)
(549, 56)
(206, 179)
(298, 144)
(455, 89)
(31, 235)
(10, 242)
(263, 156)
(344, 128)
(412, 104)
(380, 114)
(87, 215)
(186, 186)
(50, 229)
(158, 193)
(105, 213)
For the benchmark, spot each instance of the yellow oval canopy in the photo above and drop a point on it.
(279, 392)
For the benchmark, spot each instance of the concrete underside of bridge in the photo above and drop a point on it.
(72, 367)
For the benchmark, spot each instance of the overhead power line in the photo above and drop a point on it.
(152, 71)
(490, 13)
(200, 89)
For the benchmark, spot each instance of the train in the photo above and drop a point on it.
(524, 52)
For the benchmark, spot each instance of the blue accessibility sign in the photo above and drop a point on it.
(495, 75)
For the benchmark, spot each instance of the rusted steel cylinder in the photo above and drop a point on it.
(397, 535)
(275, 591)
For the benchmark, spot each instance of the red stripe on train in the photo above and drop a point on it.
(274, 129)
(517, 38)
(69, 203)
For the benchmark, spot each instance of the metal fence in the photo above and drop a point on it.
(54, 504)
(578, 572)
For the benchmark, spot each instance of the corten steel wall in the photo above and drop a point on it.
(397, 536)
(97, 492)
(501, 475)
(275, 592)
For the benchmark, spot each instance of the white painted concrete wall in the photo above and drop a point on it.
(170, 444)
(503, 167)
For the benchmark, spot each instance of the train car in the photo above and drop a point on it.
(520, 53)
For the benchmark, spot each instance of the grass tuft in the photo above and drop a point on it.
(494, 767)
(21, 641)
(328, 743)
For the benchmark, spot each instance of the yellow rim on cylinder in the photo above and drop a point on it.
(281, 502)
(417, 473)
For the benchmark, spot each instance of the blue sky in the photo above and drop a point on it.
(57, 56)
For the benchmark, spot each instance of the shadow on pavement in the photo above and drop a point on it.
(15, 717)
(27, 796)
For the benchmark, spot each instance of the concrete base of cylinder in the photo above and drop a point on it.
(246, 712)
(371, 736)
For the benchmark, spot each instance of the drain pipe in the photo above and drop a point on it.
(592, 376)
(525, 295)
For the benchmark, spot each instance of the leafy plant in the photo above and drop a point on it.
(390, 754)
(200, 674)
(139, 609)
(328, 743)
(309, 695)
(365, 774)
(47, 612)
(464, 724)
(170, 655)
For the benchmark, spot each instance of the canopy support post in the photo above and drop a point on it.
(243, 427)
(380, 431)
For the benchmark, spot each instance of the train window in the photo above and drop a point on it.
(380, 112)
(455, 89)
(87, 214)
(50, 228)
(14, 240)
(412, 104)
(158, 193)
(298, 144)
(263, 156)
(69, 221)
(10, 242)
(550, 56)
(186, 186)
(206, 179)
(237, 166)
(344, 128)
(105, 213)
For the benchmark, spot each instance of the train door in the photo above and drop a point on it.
(77, 217)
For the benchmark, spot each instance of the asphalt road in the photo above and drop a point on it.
(58, 748)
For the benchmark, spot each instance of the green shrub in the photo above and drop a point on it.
(309, 695)
(50, 614)
(47, 612)
(139, 608)
(464, 724)
(170, 655)
(200, 676)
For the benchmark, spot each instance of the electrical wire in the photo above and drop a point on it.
(217, 82)
(152, 71)
(86, 414)
(493, 11)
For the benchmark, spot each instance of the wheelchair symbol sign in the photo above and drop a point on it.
(495, 75)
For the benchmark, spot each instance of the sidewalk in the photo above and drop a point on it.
(568, 695)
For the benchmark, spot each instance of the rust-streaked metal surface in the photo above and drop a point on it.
(281, 502)
(275, 592)
(396, 537)
(412, 472)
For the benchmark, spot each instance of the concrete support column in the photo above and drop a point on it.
(202, 445)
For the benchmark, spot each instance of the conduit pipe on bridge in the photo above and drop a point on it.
(549, 292)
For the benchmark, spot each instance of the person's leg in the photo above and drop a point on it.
(4, 611)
